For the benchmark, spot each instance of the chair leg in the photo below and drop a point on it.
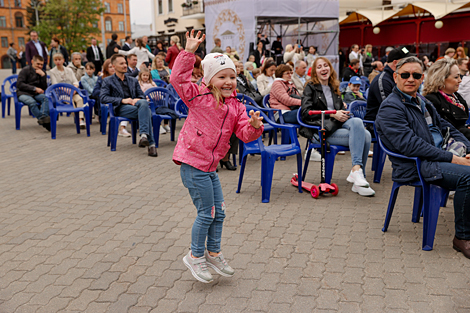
(307, 160)
(76, 118)
(234, 157)
(391, 205)
(374, 158)
(53, 117)
(87, 120)
(18, 107)
(104, 118)
(444, 197)
(380, 163)
(242, 171)
(3, 105)
(156, 121)
(417, 204)
(432, 200)
(299, 170)
(240, 151)
(134, 132)
(113, 133)
(111, 120)
(267, 169)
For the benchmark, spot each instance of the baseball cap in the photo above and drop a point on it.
(355, 80)
(399, 53)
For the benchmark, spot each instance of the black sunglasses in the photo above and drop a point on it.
(407, 75)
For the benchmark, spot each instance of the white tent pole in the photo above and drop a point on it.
(298, 33)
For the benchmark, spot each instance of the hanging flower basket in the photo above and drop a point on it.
(195, 2)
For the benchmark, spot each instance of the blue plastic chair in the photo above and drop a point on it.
(343, 85)
(114, 122)
(60, 98)
(172, 91)
(366, 94)
(161, 97)
(6, 98)
(329, 157)
(269, 156)
(181, 109)
(18, 106)
(49, 81)
(267, 128)
(428, 198)
(358, 109)
(160, 83)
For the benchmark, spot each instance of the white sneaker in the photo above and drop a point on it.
(341, 152)
(219, 264)
(162, 130)
(315, 156)
(371, 154)
(82, 124)
(124, 133)
(363, 191)
(167, 128)
(357, 178)
(198, 268)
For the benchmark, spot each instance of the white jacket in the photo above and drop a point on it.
(264, 85)
(143, 55)
(464, 89)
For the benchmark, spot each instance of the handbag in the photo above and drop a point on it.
(294, 93)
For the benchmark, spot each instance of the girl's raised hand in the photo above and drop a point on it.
(255, 119)
(192, 42)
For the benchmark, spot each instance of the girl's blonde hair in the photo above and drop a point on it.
(333, 82)
(145, 71)
(437, 74)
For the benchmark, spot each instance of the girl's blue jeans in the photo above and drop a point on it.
(206, 193)
(356, 137)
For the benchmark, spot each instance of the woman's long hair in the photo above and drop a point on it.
(333, 81)
(106, 65)
(139, 43)
(437, 74)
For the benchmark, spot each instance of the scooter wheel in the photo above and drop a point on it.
(334, 192)
(315, 191)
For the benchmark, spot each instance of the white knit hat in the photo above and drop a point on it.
(214, 63)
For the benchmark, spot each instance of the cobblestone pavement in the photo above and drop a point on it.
(83, 229)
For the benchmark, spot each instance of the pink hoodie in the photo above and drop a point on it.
(205, 136)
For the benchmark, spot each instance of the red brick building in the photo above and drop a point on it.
(13, 24)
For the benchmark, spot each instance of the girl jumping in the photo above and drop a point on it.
(214, 114)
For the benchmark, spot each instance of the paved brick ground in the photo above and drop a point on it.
(83, 229)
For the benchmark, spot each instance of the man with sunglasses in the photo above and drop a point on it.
(383, 84)
(408, 124)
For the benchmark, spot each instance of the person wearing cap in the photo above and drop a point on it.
(352, 70)
(384, 59)
(214, 114)
(352, 92)
(383, 84)
(410, 125)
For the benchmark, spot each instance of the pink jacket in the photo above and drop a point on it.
(279, 98)
(205, 136)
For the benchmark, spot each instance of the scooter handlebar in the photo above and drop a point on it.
(315, 112)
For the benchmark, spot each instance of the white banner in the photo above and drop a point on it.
(233, 22)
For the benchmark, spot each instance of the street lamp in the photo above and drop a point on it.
(35, 4)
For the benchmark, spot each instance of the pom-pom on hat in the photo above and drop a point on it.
(214, 63)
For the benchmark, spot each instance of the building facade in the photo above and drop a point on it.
(175, 17)
(14, 25)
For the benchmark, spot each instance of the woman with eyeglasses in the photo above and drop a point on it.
(440, 87)
(322, 93)
(284, 95)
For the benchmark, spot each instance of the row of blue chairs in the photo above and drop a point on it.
(428, 198)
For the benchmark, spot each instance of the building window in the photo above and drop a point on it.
(18, 3)
(20, 41)
(170, 6)
(160, 6)
(120, 8)
(107, 7)
(108, 25)
(3, 21)
(2, 3)
(123, 41)
(121, 26)
(19, 19)
(4, 42)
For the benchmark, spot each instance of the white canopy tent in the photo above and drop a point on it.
(297, 19)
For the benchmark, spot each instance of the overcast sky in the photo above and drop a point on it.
(140, 11)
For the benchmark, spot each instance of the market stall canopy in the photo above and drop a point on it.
(436, 9)
(374, 16)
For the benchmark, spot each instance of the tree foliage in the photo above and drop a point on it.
(71, 21)
(31, 13)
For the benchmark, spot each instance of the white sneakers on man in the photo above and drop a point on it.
(167, 128)
(360, 184)
(315, 156)
(162, 130)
